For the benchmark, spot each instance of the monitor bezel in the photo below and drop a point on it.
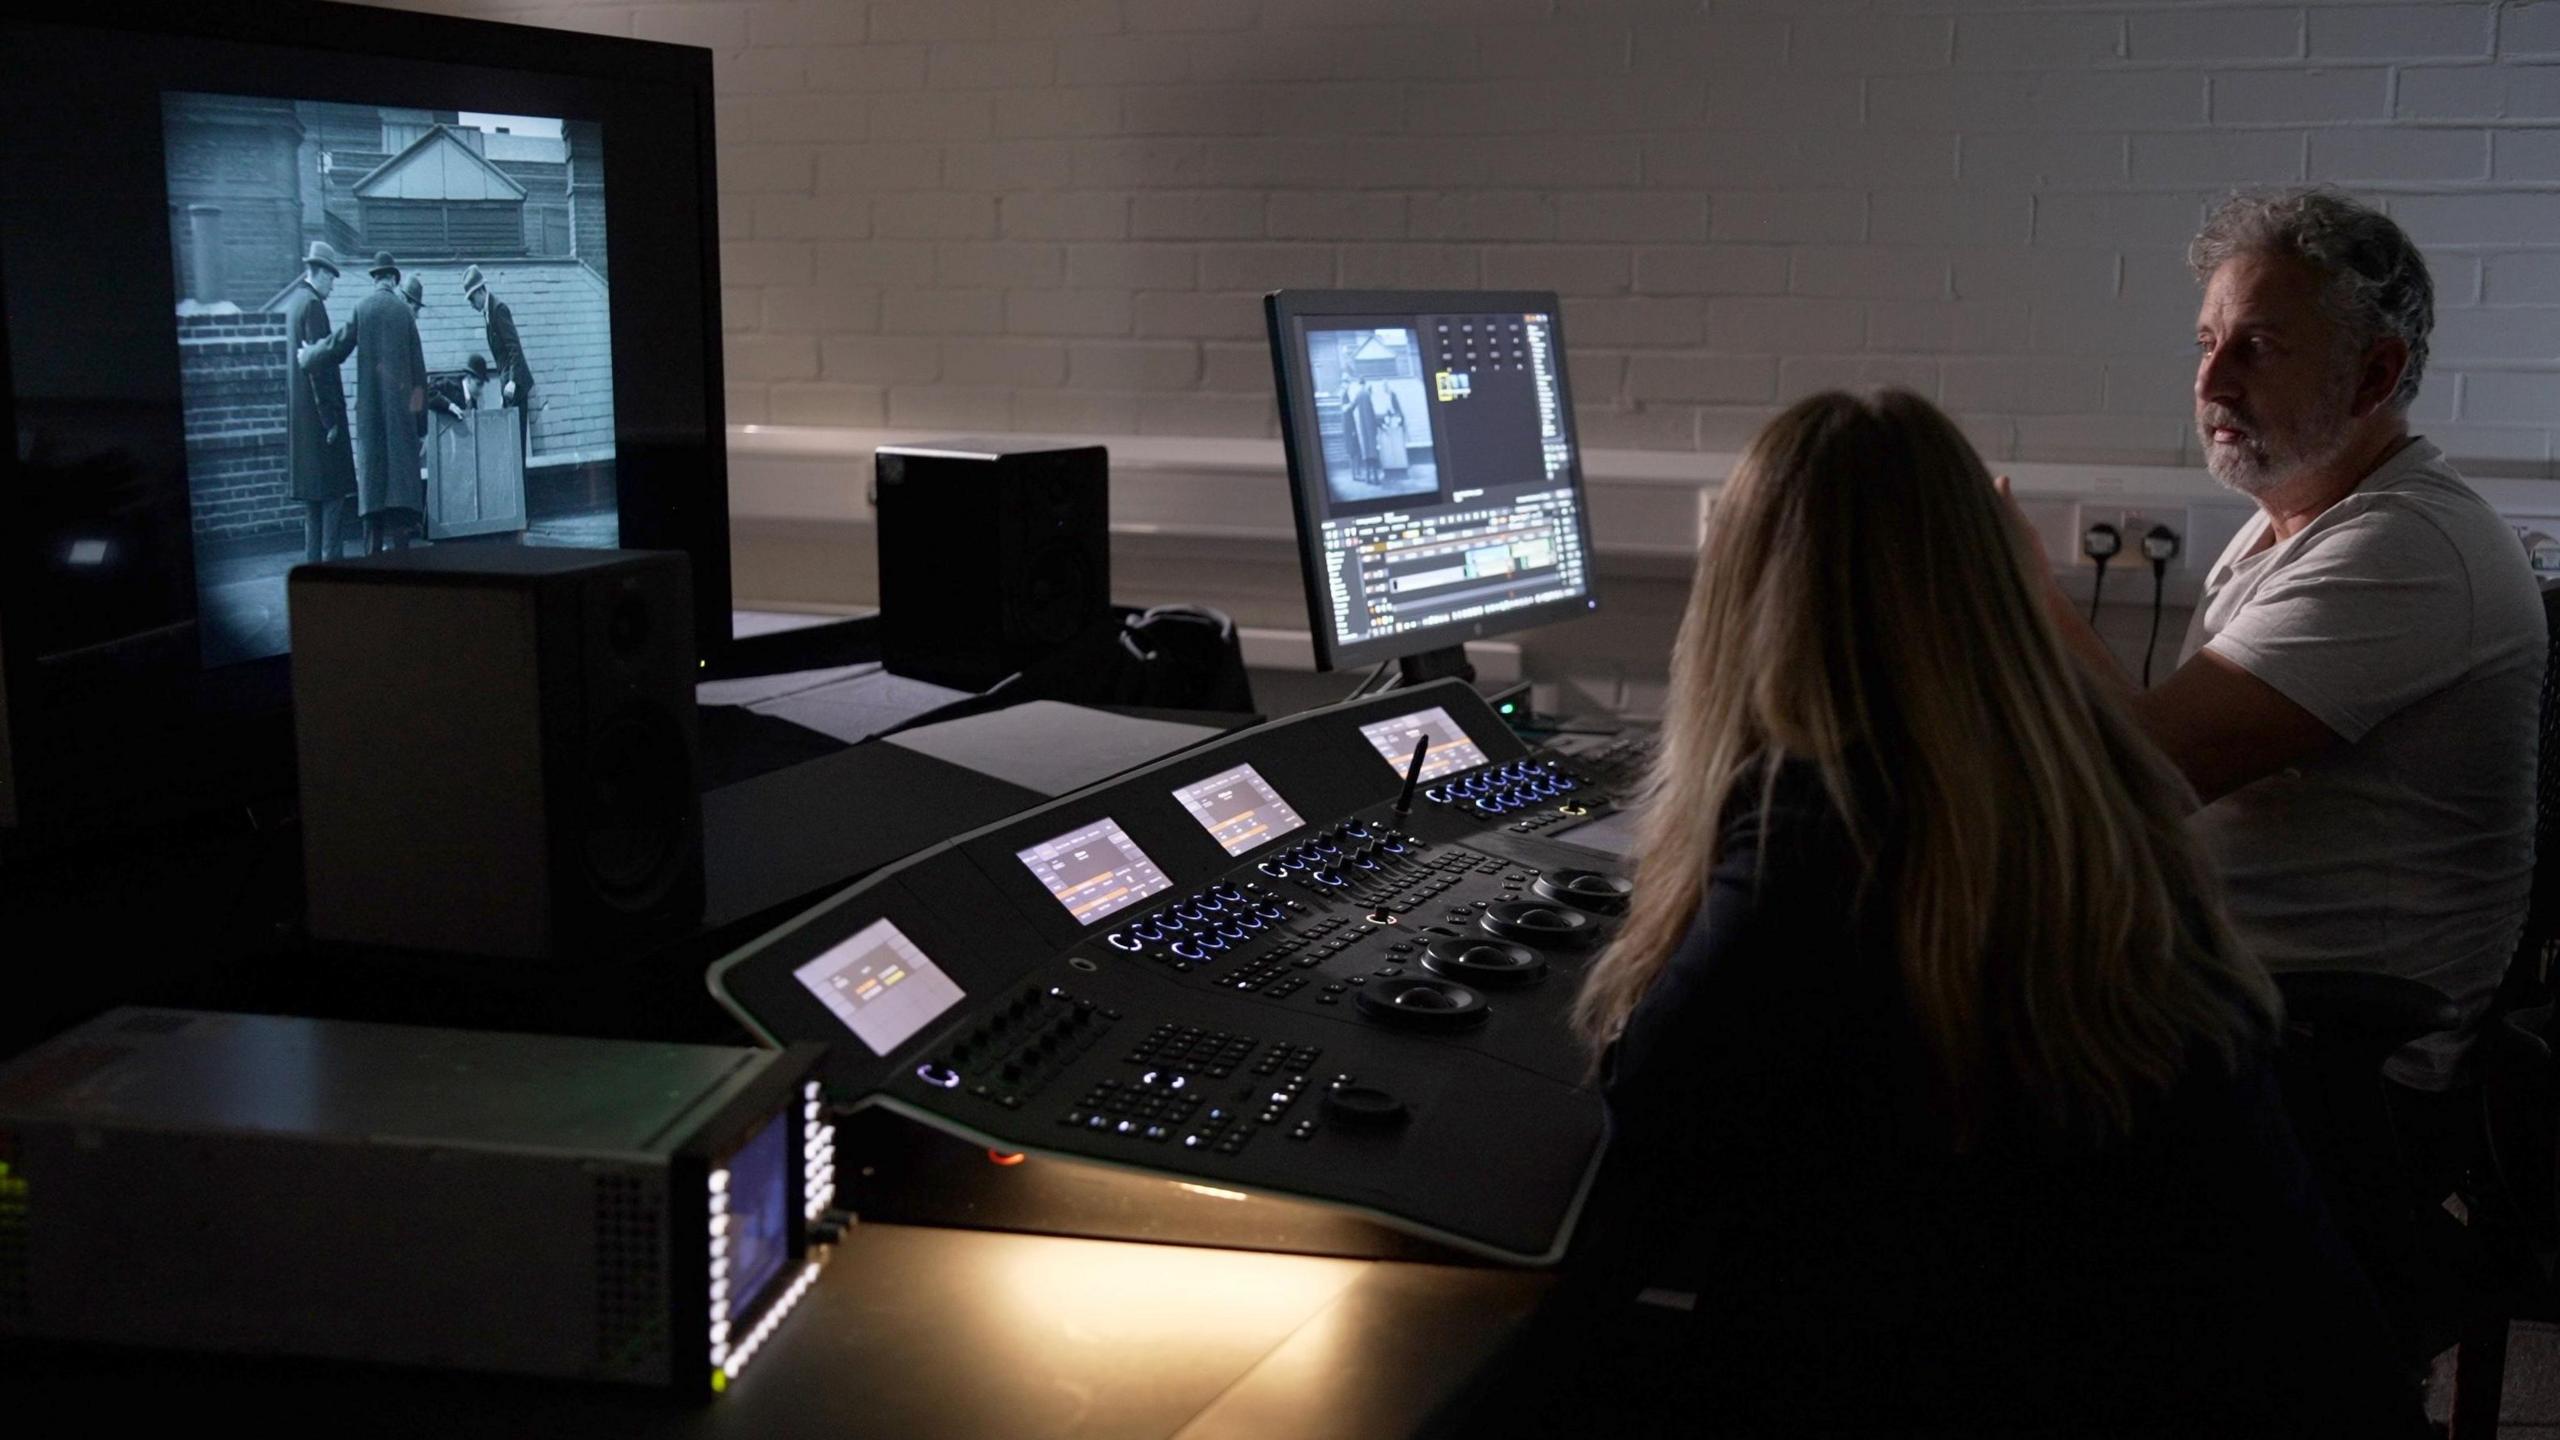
(1283, 310)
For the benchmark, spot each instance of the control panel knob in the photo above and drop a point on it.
(1484, 962)
(1417, 1003)
(1364, 1107)
(1531, 922)
(1591, 890)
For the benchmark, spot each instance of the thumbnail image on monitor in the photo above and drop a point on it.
(394, 328)
(1432, 458)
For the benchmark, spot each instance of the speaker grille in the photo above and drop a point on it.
(1057, 596)
(631, 1277)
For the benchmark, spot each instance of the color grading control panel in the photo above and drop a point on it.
(1245, 968)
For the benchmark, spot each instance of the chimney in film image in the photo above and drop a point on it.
(394, 329)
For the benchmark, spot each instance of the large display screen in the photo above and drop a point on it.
(1450, 751)
(1094, 872)
(1238, 808)
(759, 1200)
(394, 328)
(880, 985)
(1439, 491)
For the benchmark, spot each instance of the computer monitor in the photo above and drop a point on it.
(191, 196)
(1432, 463)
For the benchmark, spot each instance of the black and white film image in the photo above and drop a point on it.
(393, 330)
(1373, 414)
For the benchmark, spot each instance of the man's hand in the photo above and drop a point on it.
(510, 392)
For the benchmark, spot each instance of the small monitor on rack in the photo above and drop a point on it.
(1433, 467)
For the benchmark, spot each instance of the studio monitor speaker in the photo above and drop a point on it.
(990, 557)
(496, 749)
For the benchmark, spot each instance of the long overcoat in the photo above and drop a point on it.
(391, 404)
(320, 457)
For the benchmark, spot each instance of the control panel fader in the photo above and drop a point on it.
(1249, 967)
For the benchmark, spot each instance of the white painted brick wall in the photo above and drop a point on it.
(1060, 214)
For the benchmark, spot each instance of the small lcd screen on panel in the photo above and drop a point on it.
(1094, 872)
(759, 1202)
(1239, 809)
(880, 985)
(1450, 751)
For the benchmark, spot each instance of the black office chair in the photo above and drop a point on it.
(2342, 1027)
(2517, 1057)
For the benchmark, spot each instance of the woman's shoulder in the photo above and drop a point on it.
(1777, 798)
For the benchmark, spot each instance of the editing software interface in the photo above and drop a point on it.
(1095, 871)
(880, 985)
(1239, 809)
(1449, 484)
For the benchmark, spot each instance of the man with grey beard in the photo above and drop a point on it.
(2358, 699)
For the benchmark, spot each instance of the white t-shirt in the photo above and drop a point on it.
(2405, 618)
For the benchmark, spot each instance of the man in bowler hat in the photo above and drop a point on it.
(320, 462)
(391, 405)
(506, 351)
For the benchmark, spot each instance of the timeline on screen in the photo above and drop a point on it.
(1450, 751)
(1239, 809)
(1094, 871)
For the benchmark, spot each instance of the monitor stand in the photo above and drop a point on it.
(1444, 663)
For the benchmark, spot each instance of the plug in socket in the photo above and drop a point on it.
(2132, 524)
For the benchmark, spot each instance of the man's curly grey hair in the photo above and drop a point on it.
(2375, 283)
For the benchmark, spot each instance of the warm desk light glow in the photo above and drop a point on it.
(1161, 1294)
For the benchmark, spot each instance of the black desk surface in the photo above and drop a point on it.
(919, 1334)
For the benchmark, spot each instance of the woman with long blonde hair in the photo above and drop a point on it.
(1937, 1080)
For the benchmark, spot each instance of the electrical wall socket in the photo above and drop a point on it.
(2132, 522)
